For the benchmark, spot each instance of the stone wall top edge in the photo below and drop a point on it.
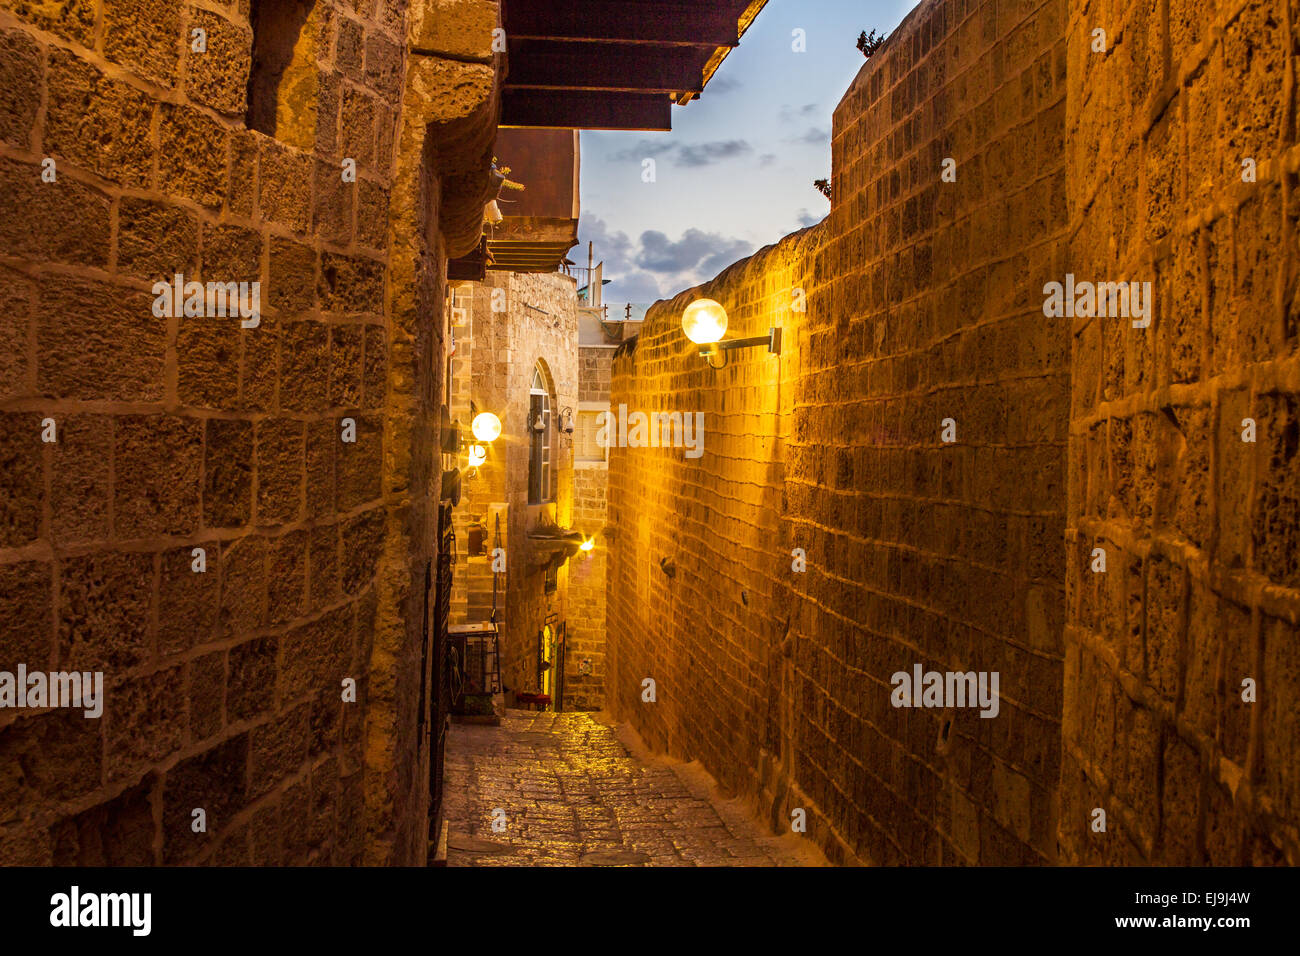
(795, 244)
(909, 23)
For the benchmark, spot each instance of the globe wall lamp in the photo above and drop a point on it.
(486, 429)
(705, 322)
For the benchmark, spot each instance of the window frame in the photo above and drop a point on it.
(541, 446)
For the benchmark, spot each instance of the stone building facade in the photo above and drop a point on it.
(513, 330)
(924, 474)
(227, 518)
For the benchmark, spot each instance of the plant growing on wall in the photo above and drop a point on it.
(870, 43)
(823, 186)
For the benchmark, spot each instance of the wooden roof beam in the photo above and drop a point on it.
(687, 24)
(554, 65)
(580, 109)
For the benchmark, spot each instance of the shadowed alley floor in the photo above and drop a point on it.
(573, 794)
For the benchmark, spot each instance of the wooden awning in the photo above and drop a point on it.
(597, 64)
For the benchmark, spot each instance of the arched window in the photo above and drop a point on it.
(541, 470)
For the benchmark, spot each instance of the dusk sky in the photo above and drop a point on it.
(736, 171)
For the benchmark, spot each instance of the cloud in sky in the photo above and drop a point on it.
(806, 219)
(655, 266)
(814, 136)
(684, 154)
(643, 149)
(695, 250)
(792, 114)
(704, 154)
(764, 96)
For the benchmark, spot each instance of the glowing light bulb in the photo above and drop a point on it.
(477, 455)
(704, 321)
(587, 544)
(486, 427)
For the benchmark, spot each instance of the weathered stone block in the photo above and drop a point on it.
(207, 688)
(22, 451)
(288, 576)
(64, 221)
(219, 76)
(207, 362)
(118, 832)
(73, 21)
(21, 67)
(359, 464)
(304, 368)
(363, 542)
(97, 341)
(251, 679)
(322, 446)
(351, 284)
(357, 127)
(157, 460)
(334, 198)
(323, 561)
(243, 585)
(97, 123)
(291, 287)
(345, 365)
(213, 781)
(144, 722)
(228, 473)
(284, 196)
(27, 603)
(187, 599)
(279, 470)
(156, 240)
(279, 748)
(384, 60)
(192, 155)
(105, 601)
(142, 36)
(46, 758)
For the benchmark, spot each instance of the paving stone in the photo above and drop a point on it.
(574, 796)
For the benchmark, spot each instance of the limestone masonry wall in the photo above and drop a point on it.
(925, 302)
(224, 683)
(1200, 529)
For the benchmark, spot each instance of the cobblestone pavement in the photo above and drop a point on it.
(573, 794)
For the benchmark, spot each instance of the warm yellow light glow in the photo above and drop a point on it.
(588, 544)
(486, 427)
(477, 455)
(704, 321)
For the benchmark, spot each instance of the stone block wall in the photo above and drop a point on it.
(1200, 529)
(223, 683)
(585, 678)
(922, 304)
(1160, 690)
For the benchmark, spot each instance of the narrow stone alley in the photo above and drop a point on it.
(573, 793)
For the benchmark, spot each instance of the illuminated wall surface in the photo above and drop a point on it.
(1163, 690)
